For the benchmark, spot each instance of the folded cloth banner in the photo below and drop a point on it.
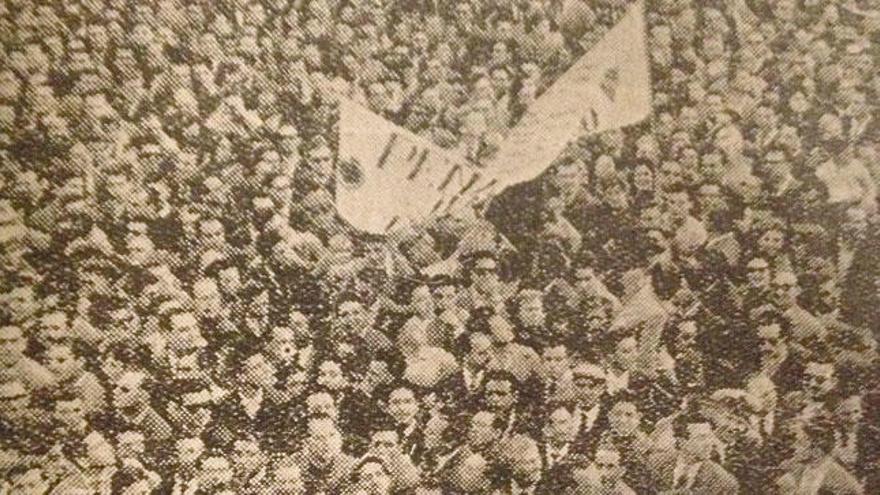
(608, 88)
(388, 177)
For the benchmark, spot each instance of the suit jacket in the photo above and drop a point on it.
(833, 480)
(456, 395)
(558, 476)
(329, 479)
(273, 424)
(710, 478)
(587, 438)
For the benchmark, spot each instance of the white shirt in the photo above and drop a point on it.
(686, 472)
(554, 455)
(616, 383)
(251, 405)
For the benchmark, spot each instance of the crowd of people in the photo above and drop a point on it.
(687, 305)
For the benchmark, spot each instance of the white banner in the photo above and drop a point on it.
(608, 88)
(387, 176)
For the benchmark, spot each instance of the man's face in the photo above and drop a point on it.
(69, 413)
(785, 291)
(384, 444)
(321, 405)
(559, 428)
(352, 316)
(258, 372)
(481, 430)
(212, 234)
(527, 466)
(215, 472)
(607, 466)
(140, 249)
(555, 360)
(288, 481)
(589, 389)
(19, 303)
(374, 479)
(445, 297)
(189, 451)
(819, 379)
(531, 312)
(247, 456)
(126, 394)
(481, 351)
(771, 242)
(330, 376)
(321, 166)
(759, 277)
(624, 418)
(484, 272)
(402, 406)
(626, 353)
(61, 362)
(700, 441)
(772, 344)
(499, 395)
(324, 441)
(283, 344)
(679, 205)
(130, 445)
(12, 345)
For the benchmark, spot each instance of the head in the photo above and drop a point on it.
(625, 418)
(331, 376)
(257, 372)
(607, 466)
(482, 429)
(819, 379)
(321, 404)
(785, 289)
(323, 440)
(69, 411)
(524, 460)
(12, 345)
(500, 392)
(15, 399)
(772, 340)
(129, 392)
(559, 427)
(480, 350)
(130, 445)
(696, 438)
(385, 444)
(555, 360)
(287, 480)
(189, 451)
(403, 406)
(589, 383)
(373, 476)
(214, 472)
(758, 274)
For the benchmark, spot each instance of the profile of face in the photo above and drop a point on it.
(12, 345)
(247, 456)
(607, 467)
(258, 372)
(624, 418)
(500, 395)
(559, 428)
(626, 353)
(699, 442)
(403, 406)
(481, 430)
(481, 350)
(215, 472)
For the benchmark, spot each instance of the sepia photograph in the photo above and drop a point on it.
(439, 247)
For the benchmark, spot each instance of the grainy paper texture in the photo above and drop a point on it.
(413, 247)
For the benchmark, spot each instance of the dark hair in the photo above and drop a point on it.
(502, 376)
(369, 459)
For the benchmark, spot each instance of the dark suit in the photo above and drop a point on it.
(557, 475)
(587, 438)
(710, 478)
(273, 424)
